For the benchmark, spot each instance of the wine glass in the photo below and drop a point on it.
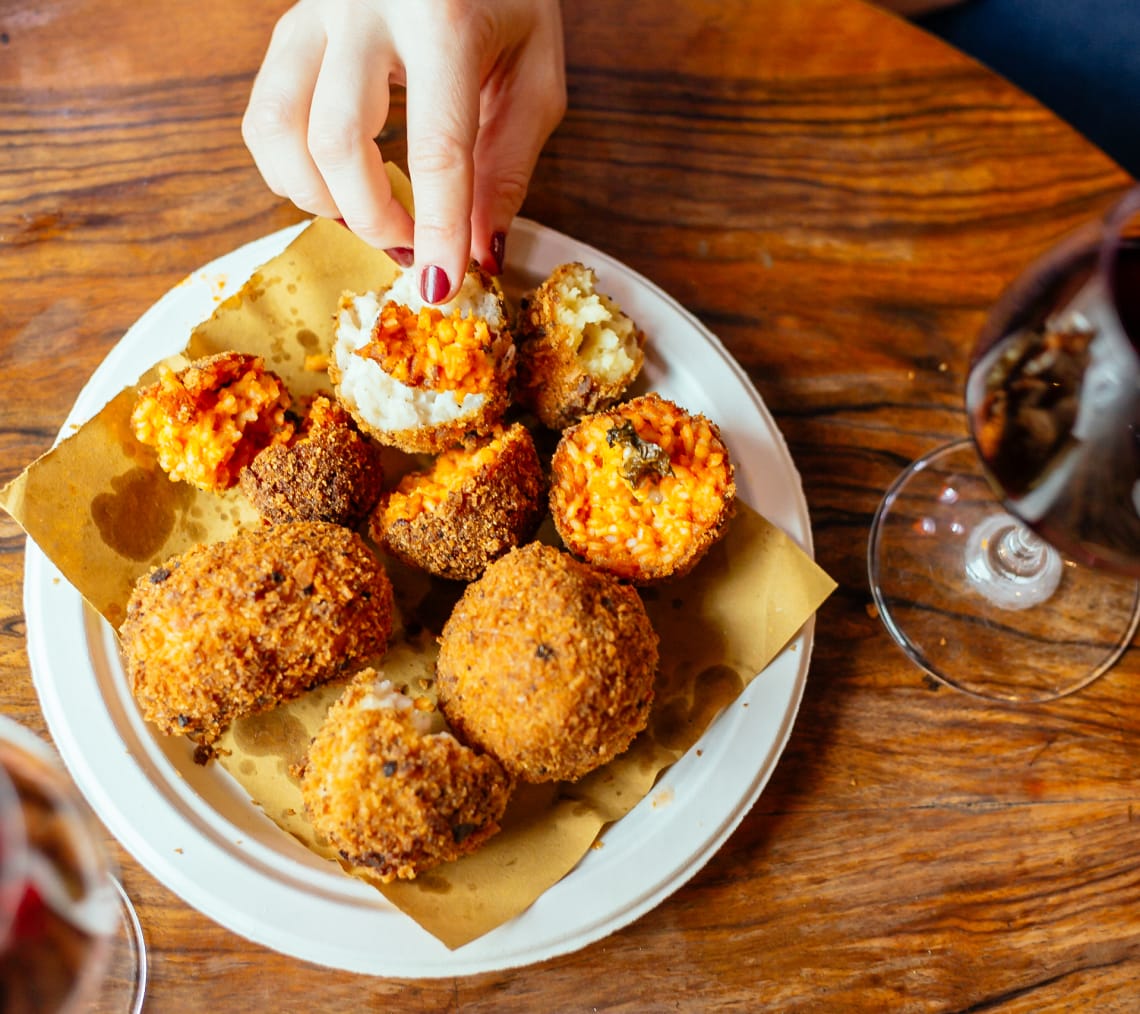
(69, 936)
(1032, 598)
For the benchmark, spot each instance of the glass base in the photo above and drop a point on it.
(930, 564)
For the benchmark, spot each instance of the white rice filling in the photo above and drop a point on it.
(385, 697)
(607, 336)
(379, 398)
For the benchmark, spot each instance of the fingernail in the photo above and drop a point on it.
(499, 250)
(434, 284)
(402, 255)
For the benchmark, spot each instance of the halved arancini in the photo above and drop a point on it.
(210, 419)
(477, 501)
(578, 351)
(642, 490)
(420, 377)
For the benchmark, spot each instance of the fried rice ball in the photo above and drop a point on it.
(236, 627)
(419, 377)
(208, 421)
(643, 490)
(394, 792)
(328, 472)
(578, 352)
(548, 664)
(476, 502)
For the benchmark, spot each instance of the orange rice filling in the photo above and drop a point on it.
(427, 491)
(425, 348)
(642, 520)
(208, 421)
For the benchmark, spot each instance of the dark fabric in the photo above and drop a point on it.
(1081, 58)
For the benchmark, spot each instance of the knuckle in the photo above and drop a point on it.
(333, 143)
(439, 154)
(511, 187)
(267, 117)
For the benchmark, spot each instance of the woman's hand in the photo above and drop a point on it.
(485, 88)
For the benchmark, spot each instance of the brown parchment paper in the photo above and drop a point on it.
(104, 513)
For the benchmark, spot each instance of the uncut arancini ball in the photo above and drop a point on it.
(394, 792)
(548, 664)
(234, 628)
(474, 503)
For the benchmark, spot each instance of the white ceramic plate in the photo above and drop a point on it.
(195, 830)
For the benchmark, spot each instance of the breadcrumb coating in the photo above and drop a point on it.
(236, 627)
(208, 421)
(328, 472)
(548, 664)
(578, 351)
(643, 490)
(475, 503)
(390, 793)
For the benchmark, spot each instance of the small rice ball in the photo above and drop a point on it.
(328, 472)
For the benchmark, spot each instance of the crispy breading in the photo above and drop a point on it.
(392, 793)
(642, 490)
(578, 351)
(329, 472)
(475, 503)
(548, 664)
(236, 627)
(209, 420)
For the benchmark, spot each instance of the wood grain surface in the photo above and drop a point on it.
(839, 197)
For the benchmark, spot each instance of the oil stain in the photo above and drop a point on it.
(273, 733)
(678, 720)
(137, 516)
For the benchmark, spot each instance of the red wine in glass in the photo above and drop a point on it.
(1007, 564)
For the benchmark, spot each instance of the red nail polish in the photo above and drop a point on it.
(499, 250)
(402, 255)
(434, 284)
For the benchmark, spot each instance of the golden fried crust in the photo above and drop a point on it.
(643, 490)
(330, 473)
(556, 379)
(437, 437)
(392, 798)
(485, 515)
(547, 664)
(236, 627)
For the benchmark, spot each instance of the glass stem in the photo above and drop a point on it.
(1021, 552)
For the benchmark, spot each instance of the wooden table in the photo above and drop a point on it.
(839, 197)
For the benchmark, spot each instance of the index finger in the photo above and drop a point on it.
(442, 124)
